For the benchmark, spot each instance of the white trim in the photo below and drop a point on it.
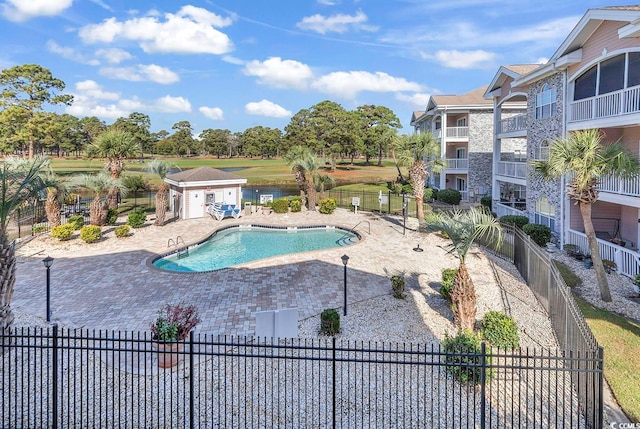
(598, 60)
(183, 185)
(516, 104)
(631, 30)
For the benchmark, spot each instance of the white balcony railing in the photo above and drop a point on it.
(616, 185)
(603, 106)
(627, 260)
(504, 210)
(457, 163)
(512, 169)
(513, 124)
(457, 132)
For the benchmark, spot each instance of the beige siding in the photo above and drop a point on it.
(506, 90)
(605, 37)
(629, 225)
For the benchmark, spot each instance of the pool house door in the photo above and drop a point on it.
(196, 204)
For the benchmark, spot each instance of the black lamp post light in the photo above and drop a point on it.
(345, 261)
(48, 262)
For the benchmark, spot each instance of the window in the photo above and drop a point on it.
(633, 75)
(545, 213)
(542, 152)
(462, 122)
(546, 102)
(608, 76)
(611, 75)
(585, 85)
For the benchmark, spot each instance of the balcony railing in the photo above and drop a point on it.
(502, 209)
(512, 169)
(457, 163)
(603, 106)
(616, 185)
(627, 260)
(513, 124)
(457, 132)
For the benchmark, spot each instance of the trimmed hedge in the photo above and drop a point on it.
(397, 286)
(77, 221)
(137, 219)
(112, 216)
(90, 233)
(296, 205)
(449, 196)
(516, 220)
(330, 322)
(122, 231)
(280, 206)
(500, 330)
(541, 234)
(327, 205)
(448, 276)
(464, 357)
(63, 232)
(486, 202)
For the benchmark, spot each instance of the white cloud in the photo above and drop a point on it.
(266, 108)
(190, 31)
(542, 60)
(92, 89)
(114, 55)
(169, 104)
(70, 53)
(328, 2)
(102, 5)
(278, 73)
(232, 60)
(348, 84)
(214, 113)
(462, 59)
(417, 99)
(23, 10)
(339, 23)
(142, 72)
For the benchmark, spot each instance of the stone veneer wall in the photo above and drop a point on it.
(480, 150)
(539, 130)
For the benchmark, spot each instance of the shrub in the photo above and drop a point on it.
(122, 231)
(37, 229)
(637, 280)
(500, 330)
(90, 233)
(464, 357)
(570, 278)
(77, 221)
(397, 286)
(450, 196)
(327, 205)
(571, 249)
(296, 205)
(112, 216)
(137, 219)
(280, 206)
(516, 220)
(63, 232)
(448, 276)
(541, 234)
(396, 188)
(428, 194)
(486, 202)
(609, 266)
(407, 188)
(330, 322)
(435, 193)
(174, 322)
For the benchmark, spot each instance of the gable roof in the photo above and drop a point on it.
(416, 115)
(472, 98)
(513, 71)
(203, 174)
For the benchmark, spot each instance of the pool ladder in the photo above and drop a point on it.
(182, 251)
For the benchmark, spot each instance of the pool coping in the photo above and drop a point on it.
(151, 259)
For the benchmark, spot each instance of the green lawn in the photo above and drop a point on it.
(620, 338)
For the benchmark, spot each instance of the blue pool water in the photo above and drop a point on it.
(238, 245)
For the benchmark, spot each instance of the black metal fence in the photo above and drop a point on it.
(62, 378)
(385, 202)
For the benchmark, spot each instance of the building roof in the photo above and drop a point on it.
(470, 98)
(522, 68)
(512, 71)
(202, 174)
(627, 7)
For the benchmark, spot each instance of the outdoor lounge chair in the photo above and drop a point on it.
(221, 210)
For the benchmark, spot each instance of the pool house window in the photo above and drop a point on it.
(546, 102)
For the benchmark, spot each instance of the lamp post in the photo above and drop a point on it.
(345, 260)
(48, 261)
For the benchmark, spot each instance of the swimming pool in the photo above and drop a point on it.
(245, 243)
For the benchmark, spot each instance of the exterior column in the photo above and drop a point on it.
(443, 149)
(497, 149)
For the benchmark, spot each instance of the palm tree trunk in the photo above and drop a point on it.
(52, 207)
(161, 205)
(463, 297)
(311, 195)
(7, 283)
(112, 198)
(95, 211)
(420, 207)
(601, 276)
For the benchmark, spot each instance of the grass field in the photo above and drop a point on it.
(257, 171)
(620, 338)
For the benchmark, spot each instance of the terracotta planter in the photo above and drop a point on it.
(169, 353)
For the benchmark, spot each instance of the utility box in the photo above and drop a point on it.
(247, 208)
(277, 323)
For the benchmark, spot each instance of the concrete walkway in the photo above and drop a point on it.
(109, 285)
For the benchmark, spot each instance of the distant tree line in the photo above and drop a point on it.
(326, 128)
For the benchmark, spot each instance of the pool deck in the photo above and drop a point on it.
(110, 285)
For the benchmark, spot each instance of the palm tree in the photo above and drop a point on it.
(19, 182)
(583, 156)
(115, 145)
(305, 165)
(99, 184)
(421, 152)
(321, 181)
(160, 168)
(464, 227)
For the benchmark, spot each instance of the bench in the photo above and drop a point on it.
(221, 210)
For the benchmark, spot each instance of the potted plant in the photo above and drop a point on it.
(588, 263)
(169, 330)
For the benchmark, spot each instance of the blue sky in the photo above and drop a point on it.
(235, 64)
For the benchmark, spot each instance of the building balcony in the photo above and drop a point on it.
(512, 169)
(627, 260)
(457, 163)
(616, 185)
(514, 124)
(616, 103)
(457, 132)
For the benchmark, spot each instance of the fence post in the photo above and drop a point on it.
(333, 389)
(389, 203)
(191, 388)
(483, 379)
(55, 377)
(600, 387)
(18, 222)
